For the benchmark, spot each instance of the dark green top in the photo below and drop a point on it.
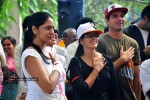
(125, 73)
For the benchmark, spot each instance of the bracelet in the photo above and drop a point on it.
(22, 93)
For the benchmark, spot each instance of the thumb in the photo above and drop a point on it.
(52, 58)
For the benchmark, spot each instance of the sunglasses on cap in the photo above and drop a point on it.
(91, 35)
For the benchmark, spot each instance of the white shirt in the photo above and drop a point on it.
(61, 54)
(72, 48)
(145, 77)
(34, 91)
(144, 35)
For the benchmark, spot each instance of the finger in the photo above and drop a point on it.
(121, 49)
(103, 59)
(51, 57)
(130, 49)
(132, 52)
(132, 56)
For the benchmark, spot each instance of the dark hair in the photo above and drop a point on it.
(36, 19)
(106, 29)
(56, 30)
(83, 21)
(146, 12)
(12, 40)
(80, 50)
(25, 24)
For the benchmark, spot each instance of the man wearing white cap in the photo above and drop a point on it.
(124, 52)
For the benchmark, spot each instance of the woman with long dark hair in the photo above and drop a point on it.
(43, 73)
(92, 74)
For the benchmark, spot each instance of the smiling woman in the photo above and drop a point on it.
(38, 62)
(10, 86)
(92, 74)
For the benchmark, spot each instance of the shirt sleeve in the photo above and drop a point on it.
(79, 85)
(2, 60)
(17, 59)
(145, 76)
(101, 46)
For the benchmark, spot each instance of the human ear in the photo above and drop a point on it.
(81, 41)
(34, 29)
(107, 21)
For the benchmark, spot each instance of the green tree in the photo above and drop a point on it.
(5, 17)
(26, 7)
(95, 9)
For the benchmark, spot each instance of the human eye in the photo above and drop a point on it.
(114, 15)
(47, 28)
(122, 15)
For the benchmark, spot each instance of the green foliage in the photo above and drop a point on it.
(95, 9)
(27, 7)
(5, 18)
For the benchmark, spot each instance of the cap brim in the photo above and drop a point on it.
(96, 31)
(124, 10)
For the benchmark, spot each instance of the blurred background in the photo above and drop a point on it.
(65, 13)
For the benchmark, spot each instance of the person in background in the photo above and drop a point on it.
(124, 51)
(92, 74)
(71, 48)
(140, 31)
(58, 51)
(2, 65)
(10, 86)
(145, 78)
(1, 74)
(69, 36)
(38, 64)
(4, 68)
(22, 85)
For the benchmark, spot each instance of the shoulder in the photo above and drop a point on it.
(30, 52)
(72, 45)
(131, 40)
(19, 47)
(145, 64)
(130, 28)
(103, 37)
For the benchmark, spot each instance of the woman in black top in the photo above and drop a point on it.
(92, 74)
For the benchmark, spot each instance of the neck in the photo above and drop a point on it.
(139, 24)
(115, 34)
(89, 53)
(39, 44)
(11, 55)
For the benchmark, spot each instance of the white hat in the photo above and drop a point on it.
(86, 28)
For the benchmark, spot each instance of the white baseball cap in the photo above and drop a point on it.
(86, 28)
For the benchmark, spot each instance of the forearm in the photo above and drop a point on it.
(91, 78)
(53, 80)
(137, 89)
(137, 83)
(118, 63)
